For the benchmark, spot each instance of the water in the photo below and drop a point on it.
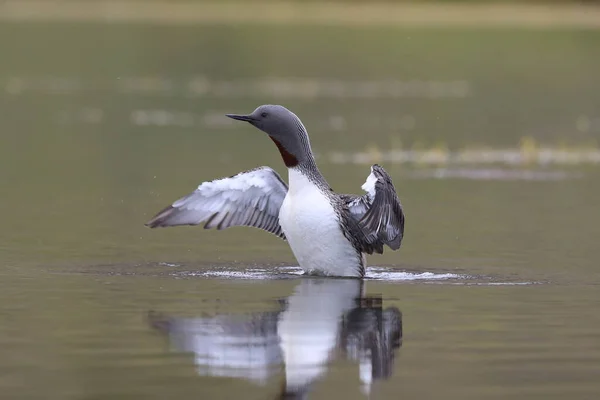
(489, 136)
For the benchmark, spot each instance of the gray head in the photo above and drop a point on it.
(285, 129)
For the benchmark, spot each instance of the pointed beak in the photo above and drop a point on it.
(246, 118)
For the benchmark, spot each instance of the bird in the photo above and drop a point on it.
(329, 233)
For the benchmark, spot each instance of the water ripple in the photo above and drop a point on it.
(373, 273)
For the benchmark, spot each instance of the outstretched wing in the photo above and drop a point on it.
(250, 198)
(379, 213)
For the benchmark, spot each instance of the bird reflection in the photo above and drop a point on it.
(323, 320)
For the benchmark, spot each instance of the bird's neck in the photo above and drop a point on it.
(289, 159)
(307, 177)
(298, 157)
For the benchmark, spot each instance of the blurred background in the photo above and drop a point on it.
(485, 113)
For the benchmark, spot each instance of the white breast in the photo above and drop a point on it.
(312, 229)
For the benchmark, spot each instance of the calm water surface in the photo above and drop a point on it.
(493, 295)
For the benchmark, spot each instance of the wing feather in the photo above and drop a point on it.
(250, 198)
(379, 213)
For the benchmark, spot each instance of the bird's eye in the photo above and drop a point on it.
(264, 115)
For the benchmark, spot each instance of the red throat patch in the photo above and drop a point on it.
(289, 159)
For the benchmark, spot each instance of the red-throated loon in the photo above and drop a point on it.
(329, 233)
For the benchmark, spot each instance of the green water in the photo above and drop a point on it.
(103, 125)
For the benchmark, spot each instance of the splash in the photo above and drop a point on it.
(287, 272)
(384, 274)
